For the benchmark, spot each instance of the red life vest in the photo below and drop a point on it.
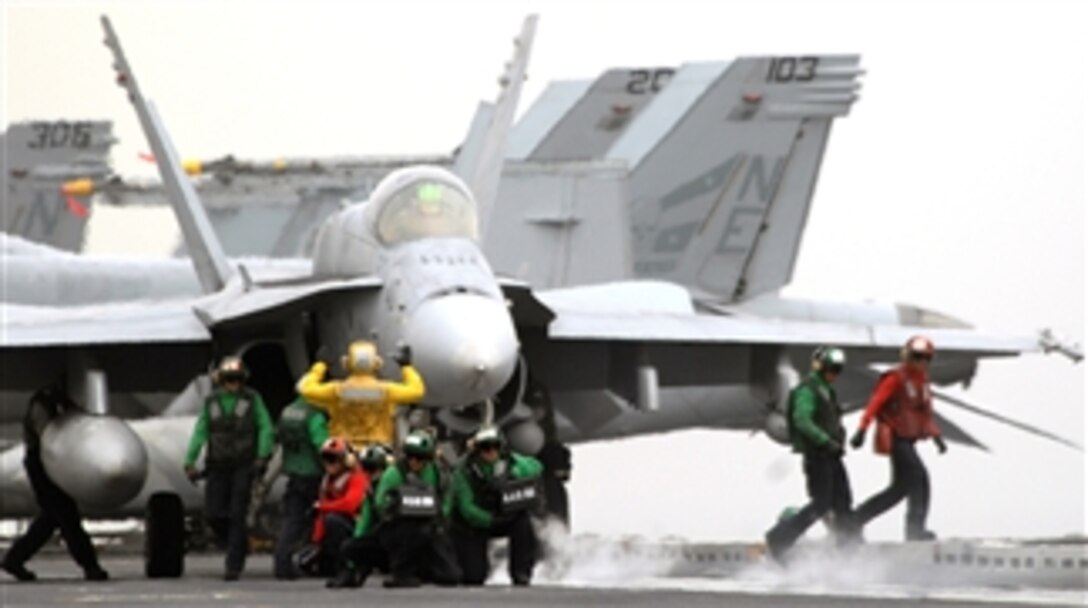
(909, 412)
(341, 494)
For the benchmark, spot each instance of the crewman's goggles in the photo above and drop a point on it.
(332, 457)
(230, 377)
(921, 357)
(485, 446)
(833, 368)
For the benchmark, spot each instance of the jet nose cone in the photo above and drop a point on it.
(98, 460)
(464, 347)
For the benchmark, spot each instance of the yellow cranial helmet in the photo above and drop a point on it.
(362, 357)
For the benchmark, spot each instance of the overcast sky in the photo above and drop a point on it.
(957, 183)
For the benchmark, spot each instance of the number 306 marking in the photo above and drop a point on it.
(792, 69)
(60, 134)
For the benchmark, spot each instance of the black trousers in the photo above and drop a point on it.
(338, 528)
(58, 510)
(408, 549)
(226, 500)
(471, 545)
(828, 490)
(910, 480)
(365, 553)
(297, 521)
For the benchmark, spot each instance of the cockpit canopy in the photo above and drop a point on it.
(421, 204)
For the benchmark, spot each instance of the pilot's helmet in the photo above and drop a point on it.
(362, 358)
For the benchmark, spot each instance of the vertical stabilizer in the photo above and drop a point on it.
(720, 202)
(50, 168)
(209, 261)
(483, 176)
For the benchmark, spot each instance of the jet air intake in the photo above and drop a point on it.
(98, 460)
(465, 347)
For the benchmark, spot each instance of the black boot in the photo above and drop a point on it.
(406, 582)
(96, 574)
(347, 578)
(776, 546)
(19, 571)
(920, 534)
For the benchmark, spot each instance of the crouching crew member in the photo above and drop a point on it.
(341, 495)
(301, 433)
(363, 553)
(494, 491)
(238, 431)
(412, 505)
(362, 408)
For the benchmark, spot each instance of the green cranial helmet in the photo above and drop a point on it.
(419, 443)
(376, 457)
(831, 359)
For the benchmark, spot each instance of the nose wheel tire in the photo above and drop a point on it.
(164, 536)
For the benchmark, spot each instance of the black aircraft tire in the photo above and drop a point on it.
(164, 536)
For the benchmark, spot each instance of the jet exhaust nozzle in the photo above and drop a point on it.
(98, 460)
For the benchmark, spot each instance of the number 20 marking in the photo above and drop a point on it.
(792, 69)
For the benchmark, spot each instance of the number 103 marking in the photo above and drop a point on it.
(792, 69)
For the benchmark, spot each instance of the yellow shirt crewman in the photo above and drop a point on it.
(362, 408)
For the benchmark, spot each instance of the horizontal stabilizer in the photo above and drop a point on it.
(1023, 426)
(956, 434)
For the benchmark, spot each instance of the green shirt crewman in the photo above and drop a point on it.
(236, 427)
(816, 431)
(228, 401)
(815, 417)
(494, 492)
(301, 432)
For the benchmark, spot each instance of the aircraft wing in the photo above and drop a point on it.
(276, 301)
(141, 346)
(119, 324)
(155, 346)
(604, 337)
(709, 329)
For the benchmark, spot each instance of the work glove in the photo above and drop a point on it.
(834, 448)
(403, 354)
(858, 439)
(941, 446)
(192, 473)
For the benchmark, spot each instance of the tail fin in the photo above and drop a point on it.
(723, 169)
(490, 149)
(209, 261)
(581, 121)
(468, 155)
(49, 171)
